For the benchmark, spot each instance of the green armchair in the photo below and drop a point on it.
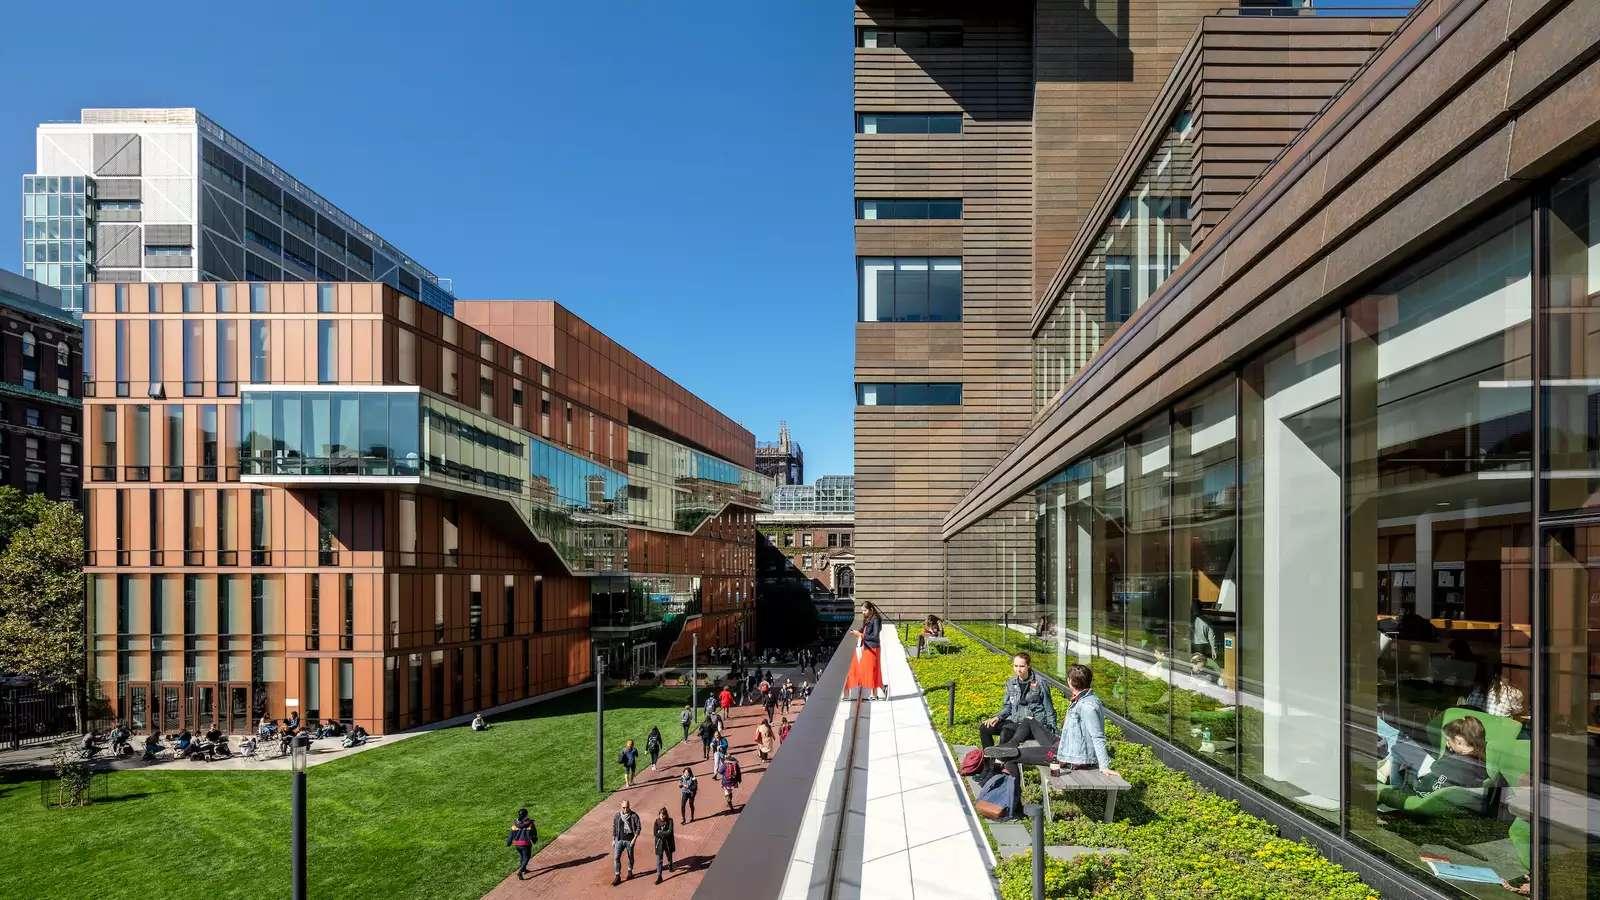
(1507, 757)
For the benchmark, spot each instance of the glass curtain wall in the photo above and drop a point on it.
(1318, 573)
(1288, 607)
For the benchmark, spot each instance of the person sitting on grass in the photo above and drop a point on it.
(479, 723)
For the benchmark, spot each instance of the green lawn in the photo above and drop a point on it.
(426, 817)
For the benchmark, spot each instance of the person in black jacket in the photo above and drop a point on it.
(625, 828)
(652, 746)
(629, 760)
(708, 731)
(688, 786)
(524, 834)
(665, 845)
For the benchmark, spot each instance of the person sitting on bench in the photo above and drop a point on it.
(1082, 744)
(1026, 713)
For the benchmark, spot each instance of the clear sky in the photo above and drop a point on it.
(678, 174)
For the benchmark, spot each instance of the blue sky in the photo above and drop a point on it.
(678, 176)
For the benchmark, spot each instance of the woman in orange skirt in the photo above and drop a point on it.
(866, 672)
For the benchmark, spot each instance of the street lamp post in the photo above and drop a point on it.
(694, 674)
(297, 764)
(599, 722)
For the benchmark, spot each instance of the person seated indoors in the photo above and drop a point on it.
(1410, 770)
(479, 723)
(152, 745)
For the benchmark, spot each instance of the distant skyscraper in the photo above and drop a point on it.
(782, 459)
(169, 195)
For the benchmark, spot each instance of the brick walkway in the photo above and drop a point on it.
(578, 862)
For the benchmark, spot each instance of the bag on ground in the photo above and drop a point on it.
(999, 795)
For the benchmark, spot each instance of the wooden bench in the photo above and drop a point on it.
(1088, 780)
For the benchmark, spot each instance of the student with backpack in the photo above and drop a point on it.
(629, 760)
(652, 746)
(688, 786)
(685, 718)
(524, 834)
(731, 776)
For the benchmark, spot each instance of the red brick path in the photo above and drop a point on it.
(578, 863)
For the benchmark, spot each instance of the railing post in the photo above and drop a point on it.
(1035, 812)
(951, 723)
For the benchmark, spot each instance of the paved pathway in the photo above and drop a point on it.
(577, 863)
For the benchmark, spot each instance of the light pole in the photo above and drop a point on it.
(694, 674)
(599, 722)
(297, 817)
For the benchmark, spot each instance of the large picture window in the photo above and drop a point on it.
(908, 394)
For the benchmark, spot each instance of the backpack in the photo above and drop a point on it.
(997, 799)
(972, 762)
(685, 717)
(731, 767)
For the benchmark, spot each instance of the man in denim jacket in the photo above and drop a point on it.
(1027, 710)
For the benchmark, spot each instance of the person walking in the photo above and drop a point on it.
(524, 834)
(725, 700)
(624, 831)
(685, 718)
(783, 731)
(629, 759)
(688, 786)
(652, 746)
(665, 845)
(718, 754)
(730, 778)
(769, 703)
(866, 671)
(708, 733)
(764, 741)
(786, 695)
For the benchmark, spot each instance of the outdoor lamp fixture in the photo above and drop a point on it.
(297, 765)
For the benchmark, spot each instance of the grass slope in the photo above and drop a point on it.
(426, 817)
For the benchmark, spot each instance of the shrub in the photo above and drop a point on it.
(1182, 840)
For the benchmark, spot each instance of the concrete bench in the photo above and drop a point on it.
(1090, 780)
(924, 643)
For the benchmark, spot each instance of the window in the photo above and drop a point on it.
(638, 492)
(174, 417)
(154, 358)
(191, 293)
(224, 298)
(258, 351)
(908, 123)
(347, 632)
(833, 539)
(327, 351)
(106, 457)
(32, 418)
(788, 539)
(227, 358)
(29, 345)
(844, 539)
(119, 333)
(909, 38)
(68, 455)
(208, 443)
(139, 458)
(193, 366)
(260, 537)
(638, 458)
(898, 208)
(259, 298)
(31, 445)
(908, 394)
(325, 298)
(908, 289)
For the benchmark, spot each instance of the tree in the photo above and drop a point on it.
(41, 591)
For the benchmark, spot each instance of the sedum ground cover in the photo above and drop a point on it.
(426, 817)
(1182, 840)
